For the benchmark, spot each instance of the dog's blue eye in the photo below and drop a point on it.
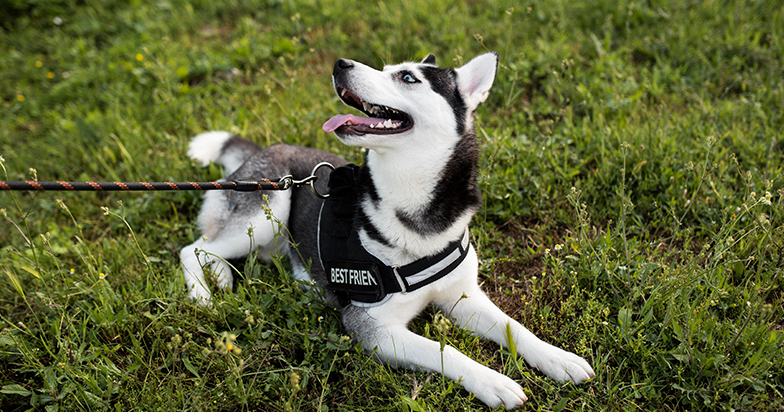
(408, 78)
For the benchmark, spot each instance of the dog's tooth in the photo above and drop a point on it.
(388, 123)
(372, 127)
(381, 125)
(342, 92)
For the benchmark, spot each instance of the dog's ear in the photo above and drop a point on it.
(475, 78)
(430, 59)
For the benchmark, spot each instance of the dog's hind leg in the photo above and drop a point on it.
(230, 234)
(479, 314)
(204, 252)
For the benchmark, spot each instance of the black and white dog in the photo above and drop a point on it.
(393, 235)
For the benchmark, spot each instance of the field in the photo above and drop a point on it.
(632, 174)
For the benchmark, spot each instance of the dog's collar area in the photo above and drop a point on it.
(356, 276)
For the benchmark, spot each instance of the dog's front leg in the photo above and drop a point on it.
(397, 346)
(479, 314)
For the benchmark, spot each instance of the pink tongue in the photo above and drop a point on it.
(340, 119)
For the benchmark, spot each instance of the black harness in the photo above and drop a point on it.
(354, 275)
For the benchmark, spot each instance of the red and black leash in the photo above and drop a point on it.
(244, 186)
(284, 183)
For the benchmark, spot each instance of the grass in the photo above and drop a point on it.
(631, 171)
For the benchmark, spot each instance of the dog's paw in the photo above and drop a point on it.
(561, 365)
(201, 295)
(225, 281)
(495, 389)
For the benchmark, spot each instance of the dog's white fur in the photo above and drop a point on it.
(405, 167)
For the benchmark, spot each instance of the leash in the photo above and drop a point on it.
(284, 183)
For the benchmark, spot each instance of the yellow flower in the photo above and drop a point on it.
(139, 57)
(20, 97)
(49, 75)
(38, 63)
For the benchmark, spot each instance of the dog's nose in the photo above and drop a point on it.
(342, 64)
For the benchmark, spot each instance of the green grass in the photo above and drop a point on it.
(631, 170)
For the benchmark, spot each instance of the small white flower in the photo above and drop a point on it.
(766, 199)
(57, 21)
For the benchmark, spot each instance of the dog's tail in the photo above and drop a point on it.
(222, 148)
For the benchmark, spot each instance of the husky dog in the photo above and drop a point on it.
(407, 214)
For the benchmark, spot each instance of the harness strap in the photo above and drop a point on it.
(431, 268)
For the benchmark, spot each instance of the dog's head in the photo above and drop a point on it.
(409, 100)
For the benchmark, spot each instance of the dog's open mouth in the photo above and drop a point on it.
(380, 120)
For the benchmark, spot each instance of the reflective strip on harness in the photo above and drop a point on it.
(426, 274)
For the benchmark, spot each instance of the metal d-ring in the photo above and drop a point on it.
(312, 178)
